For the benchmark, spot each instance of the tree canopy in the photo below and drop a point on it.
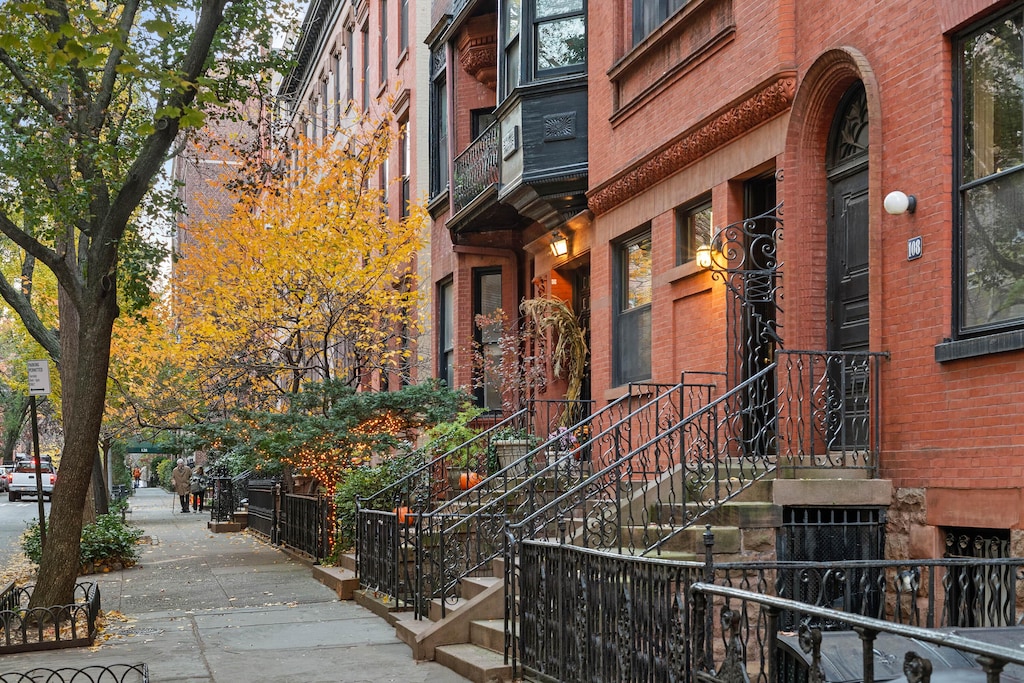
(93, 97)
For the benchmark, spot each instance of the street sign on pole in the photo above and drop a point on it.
(38, 378)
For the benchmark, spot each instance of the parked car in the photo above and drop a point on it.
(22, 481)
(841, 656)
(4, 471)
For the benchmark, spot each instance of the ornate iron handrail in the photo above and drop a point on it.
(96, 673)
(476, 168)
(468, 532)
(582, 614)
(829, 404)
(386, 532)
(644, 497)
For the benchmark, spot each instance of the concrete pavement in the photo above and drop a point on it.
(227, 608)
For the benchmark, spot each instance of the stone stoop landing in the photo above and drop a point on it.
(342, 581)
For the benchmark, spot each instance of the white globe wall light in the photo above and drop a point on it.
(897, 202)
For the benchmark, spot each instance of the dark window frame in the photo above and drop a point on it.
(625, 316)
(488, 395)
(365, 33)
(438, 134)
(689, 235)
(532, 41)
(446, 332)
(964, 328)
(660, 11)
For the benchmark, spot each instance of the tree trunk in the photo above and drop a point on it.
(85, 357)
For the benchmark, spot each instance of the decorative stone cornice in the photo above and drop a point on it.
(765, 103)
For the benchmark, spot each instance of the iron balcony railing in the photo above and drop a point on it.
(581, 614)
(476, 169)
(466, 533)
(829, 409)
(386, 529)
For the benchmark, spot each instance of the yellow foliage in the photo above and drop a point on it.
(308, 277)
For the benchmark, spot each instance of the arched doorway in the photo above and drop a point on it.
(847, 256)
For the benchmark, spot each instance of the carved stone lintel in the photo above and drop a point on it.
(764, 104)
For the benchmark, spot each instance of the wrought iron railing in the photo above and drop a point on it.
(386, 533)
(263, 507)
(828, 409)
(476, 169)
(583, 614)
(467, 532)
(225, 495)
(306, 525)
(640, 497)
(96, 673)
(46, 628)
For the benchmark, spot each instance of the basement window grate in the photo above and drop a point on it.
(828, 535)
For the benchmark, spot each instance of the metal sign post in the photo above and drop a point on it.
(38, 385)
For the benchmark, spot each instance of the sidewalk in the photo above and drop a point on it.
(227, 608)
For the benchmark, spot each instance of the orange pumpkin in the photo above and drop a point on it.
(404, 515)
(469, 480)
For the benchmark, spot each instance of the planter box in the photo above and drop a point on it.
(511, 450)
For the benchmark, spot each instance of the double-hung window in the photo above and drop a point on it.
(559, 36)
(650, 14)
(632, 323)
(446, 333)
(693, 229)
(510, 64)
(438, 123)
(990, 141)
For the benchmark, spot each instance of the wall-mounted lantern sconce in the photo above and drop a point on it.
(559, 244)
(703, 256)
(897, 202)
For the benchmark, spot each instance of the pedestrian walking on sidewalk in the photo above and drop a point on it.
(198, 486)
(180, 477)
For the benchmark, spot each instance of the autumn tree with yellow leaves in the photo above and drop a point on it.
(307, 279)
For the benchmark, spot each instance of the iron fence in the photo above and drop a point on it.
(828, 409)
(47, 628)
(112, 673)
(306, 525)
(467, 532)
(385, 546)
(579, 614)
(263, 507)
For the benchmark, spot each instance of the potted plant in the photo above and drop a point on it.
(508, 445)
(464, 454)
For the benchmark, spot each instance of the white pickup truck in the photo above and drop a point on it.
(22, 480)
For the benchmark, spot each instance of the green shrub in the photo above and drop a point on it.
(108, 543)
(365, 481)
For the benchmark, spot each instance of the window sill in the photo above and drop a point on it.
(999, 342)
(683, 271)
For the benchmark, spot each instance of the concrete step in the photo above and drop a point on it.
(476, 663)
(450, 606)
(342, 581)
(747, 515)
(407, 627)
(475, 585)
(378, 603)
(689, 539)
(488, 634)
(347, 561)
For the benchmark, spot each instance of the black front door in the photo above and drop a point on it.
(848, 264)
(847, 305)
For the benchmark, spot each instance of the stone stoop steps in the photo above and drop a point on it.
(470, 638)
